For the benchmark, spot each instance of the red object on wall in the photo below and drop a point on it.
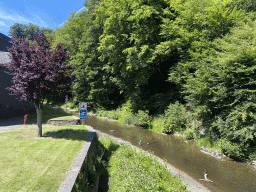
(25, 119)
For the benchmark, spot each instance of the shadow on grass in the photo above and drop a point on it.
(69, 134)
(102, 168)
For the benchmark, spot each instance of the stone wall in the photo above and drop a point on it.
(62, 122)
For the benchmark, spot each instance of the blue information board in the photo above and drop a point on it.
(83, 114)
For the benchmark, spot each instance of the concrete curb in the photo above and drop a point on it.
(70, 179)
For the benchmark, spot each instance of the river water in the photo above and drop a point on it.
(227, 175)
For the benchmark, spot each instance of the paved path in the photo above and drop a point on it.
(10, 124)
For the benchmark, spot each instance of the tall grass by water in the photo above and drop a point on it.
(130, 169)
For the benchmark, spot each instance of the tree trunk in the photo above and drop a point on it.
(39, 120)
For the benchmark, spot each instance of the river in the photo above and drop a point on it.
(227, 175)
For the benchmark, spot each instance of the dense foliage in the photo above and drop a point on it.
(130, 36)
(27, 31)
(93, 84)
(223, 90)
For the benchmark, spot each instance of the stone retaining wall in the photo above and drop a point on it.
(62, 122)
(79, 177)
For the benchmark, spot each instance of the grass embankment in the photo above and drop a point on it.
(31, 163)
(132, 170)
(47, 114)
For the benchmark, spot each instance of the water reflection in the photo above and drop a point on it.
(226, 175)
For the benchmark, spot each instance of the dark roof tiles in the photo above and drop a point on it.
(4, 43)
(4, 57)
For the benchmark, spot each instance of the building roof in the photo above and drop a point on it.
(4, 57)
(4, 43)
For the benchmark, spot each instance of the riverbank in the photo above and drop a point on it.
(209, 151)
(183, 154)
(192, 184)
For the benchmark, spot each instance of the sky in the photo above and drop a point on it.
(43, 13)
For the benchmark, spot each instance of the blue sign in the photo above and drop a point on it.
(83, 114)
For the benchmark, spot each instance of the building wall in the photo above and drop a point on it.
(9, 105)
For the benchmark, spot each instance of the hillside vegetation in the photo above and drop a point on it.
(176, 61)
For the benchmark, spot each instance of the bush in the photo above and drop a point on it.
(157, 124)
(144, 118)
(113, 115)
(131, 119)
(229, 148)
(176, 118)
(126, 113)
(189, 134)
(205, 142)
(223, 90)
(252, 156)
(101, 113)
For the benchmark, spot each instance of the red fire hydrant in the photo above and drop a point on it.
(25, 119)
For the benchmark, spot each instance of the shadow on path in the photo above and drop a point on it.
(12, 121)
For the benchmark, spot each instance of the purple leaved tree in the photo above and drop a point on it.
(39, 74)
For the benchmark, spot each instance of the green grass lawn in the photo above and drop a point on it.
(49, 113)
(31, 163)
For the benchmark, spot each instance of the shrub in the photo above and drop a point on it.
(189, 134)
(176, 118)
(113, 115)
(131, 119)
(101, 113)
(229, 148)
(205, 142)
(144, 118)
(157, 124)
(237, 130)
(196, 127)
(252, 156)
(126, 113)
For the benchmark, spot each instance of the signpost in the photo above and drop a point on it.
(66, 101)
(83, 111)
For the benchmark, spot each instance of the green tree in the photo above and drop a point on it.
(30, 31)
(197, 24)
(245, 5)
(81, 35)
(47, 30)
(17, 30)
(130, 36)
(223, 91)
